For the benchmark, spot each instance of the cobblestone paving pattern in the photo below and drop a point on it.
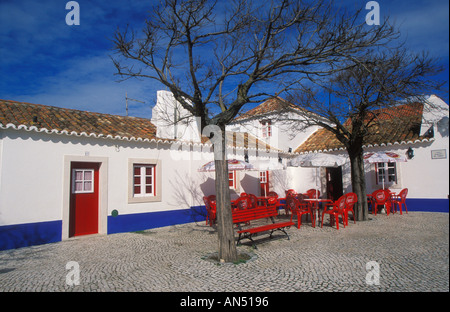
(411, 250)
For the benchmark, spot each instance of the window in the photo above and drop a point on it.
(386, 172)
(82, 181)
(262, 177)
(232, 179)
(143, 180)
(266, 128)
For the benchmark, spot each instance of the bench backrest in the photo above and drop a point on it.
(253, 214)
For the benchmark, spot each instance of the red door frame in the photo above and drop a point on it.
(84, 206)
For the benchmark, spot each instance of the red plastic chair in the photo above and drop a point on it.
(381, 198)
(338, 209)
(210, 210)
(350, 200)
(299, 208)
(400, 200)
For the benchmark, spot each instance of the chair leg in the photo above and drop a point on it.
(406, 209)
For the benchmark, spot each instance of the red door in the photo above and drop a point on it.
(83, 199)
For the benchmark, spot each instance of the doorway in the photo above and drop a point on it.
(84, 198)
(334, 183)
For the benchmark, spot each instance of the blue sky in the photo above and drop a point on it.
(45, 61)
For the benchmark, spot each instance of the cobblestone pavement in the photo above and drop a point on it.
(411, 251)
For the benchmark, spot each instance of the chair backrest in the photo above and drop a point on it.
(380, 196)
(244, 194)
(291, 203)
(272, 194)
(253, 200)
(272, 201)
(311, 193)
(212, 201)
(290, 192)
(340, 203)
(242, 203)
(206, 201)
(403, 194)
(351, 199)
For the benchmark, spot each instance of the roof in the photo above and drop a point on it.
(50, 119)
(275, 104)
(396, 125)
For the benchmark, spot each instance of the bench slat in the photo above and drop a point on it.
(267, 227)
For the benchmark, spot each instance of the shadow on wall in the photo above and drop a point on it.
(249, 185)
(188, 193)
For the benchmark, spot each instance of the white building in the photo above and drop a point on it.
(66, 173)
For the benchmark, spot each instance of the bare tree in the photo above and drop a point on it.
(361, 95)
(215, 57)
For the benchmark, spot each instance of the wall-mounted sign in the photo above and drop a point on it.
(439, 154)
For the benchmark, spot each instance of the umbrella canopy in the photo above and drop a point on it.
(383, 157)
(317, 160)
(233, 164)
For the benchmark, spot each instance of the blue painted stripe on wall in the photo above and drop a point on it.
(428, 204)
(29, 234)
(150, 220)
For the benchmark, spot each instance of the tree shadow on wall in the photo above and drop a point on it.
(189, 192)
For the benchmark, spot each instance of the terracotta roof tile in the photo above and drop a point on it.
(70, 120)
(271, 105)
(396, 125)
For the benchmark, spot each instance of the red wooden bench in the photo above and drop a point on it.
(242, 217)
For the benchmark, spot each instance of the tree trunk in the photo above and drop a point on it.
(227, 245)
(359, 183)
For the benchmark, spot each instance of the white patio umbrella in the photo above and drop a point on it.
(233, 164)
(374, 157)
(383, 157)
(317, 160)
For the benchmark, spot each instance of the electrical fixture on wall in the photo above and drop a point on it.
(410, 153)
